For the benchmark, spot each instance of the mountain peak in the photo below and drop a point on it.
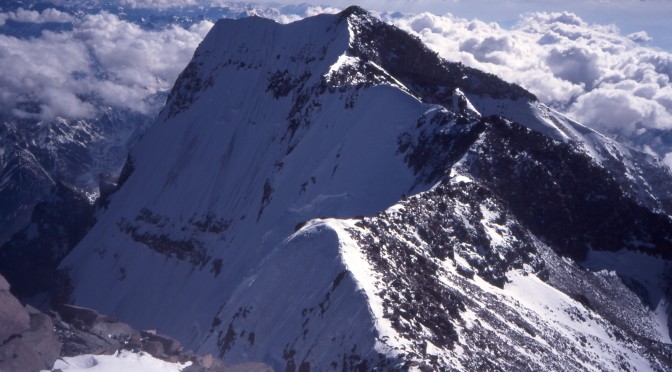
(354, 10)
(363, 50)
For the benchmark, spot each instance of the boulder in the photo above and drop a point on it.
(14, 319)
(27, 339)
(80, 317)
(148, 332)
(77, 341)
(170, 346)
(134, 341)
(112, 330)
(4, 285)
(42, 338)
(17, 355)
(205, 363)
(248, 367)
(154, 348)
(208, 363)
(32, 341)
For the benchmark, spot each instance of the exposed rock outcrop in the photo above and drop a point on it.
(27, 339)
(32, 341)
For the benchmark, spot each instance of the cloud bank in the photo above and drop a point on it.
(32, 16)
(103, 61)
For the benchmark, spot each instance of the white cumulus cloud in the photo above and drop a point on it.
(104, 59)
(33, 16)
(640, 37)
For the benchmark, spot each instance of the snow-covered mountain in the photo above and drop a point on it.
(330, 194)
(69, 116)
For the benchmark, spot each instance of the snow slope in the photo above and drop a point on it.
(121, 361)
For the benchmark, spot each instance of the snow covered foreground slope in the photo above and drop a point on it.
(121, 361)
(240, 227)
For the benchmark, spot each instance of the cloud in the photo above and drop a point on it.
(292, 13)
(492, 49)
(606, 106)
(668, 159)
(640, 37)
(578, 65)
(32, 16)
(104, 61)
(156, 4)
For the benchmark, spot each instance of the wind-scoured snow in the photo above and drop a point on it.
(368, 280)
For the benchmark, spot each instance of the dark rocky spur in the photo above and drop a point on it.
(32, 341)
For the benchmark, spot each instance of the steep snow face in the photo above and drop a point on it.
(254, 141)
(260, 217)
(301, 309)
